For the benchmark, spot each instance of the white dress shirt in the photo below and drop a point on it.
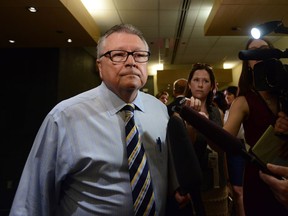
(78, 162)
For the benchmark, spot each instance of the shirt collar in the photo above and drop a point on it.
(114, 104)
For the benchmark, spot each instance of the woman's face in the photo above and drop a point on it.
(200, 84)
(256, 44)
(229, 97)
(164, 98)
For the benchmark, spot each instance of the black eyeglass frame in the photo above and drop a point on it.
(108, 54)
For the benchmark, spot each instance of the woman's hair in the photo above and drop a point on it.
(232, 90)
(208, 68)
(219, 101)
(246, 78)
(127, 28)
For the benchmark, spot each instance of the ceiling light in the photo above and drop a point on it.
(69, 40)
(12, 41)
(155, 68)
(227, 65)
(98, 8)
(268, 27)
(94, 5)
(32, 9)
(255, 32)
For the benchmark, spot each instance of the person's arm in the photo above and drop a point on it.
(36, 193)
(237, 113)
(278, 187)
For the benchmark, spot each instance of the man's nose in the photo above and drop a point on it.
(130, 58)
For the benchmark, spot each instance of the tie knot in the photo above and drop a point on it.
(129, 107)
(129, 111)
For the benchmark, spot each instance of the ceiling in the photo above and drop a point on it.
(179, 32)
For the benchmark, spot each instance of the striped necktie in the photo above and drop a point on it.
(140, 179)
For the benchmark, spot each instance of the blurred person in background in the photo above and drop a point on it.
(220, 101)
(179, 86)
(163, 96)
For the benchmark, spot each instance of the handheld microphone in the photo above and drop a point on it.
(261, 54)
(220, 137)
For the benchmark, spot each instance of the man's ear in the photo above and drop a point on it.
(99, 65)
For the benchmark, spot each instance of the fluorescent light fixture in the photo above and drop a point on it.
(96, 5)
(155, 68)
(228, 65)
(100, 9)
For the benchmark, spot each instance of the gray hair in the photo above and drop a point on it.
(127, 28)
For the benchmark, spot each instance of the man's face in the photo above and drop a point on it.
(123, 77)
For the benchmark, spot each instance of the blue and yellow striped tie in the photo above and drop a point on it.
(140, 179)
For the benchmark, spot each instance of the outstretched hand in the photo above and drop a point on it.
(281, 125)
(281, 128)
(278, 187)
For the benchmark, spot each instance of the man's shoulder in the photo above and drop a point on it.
(75, 100)
(148, 97)
(152, 102)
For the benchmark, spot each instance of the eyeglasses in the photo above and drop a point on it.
(122, 55)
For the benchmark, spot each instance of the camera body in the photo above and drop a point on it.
(270, 75)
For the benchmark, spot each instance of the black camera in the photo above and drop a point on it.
(270, 75)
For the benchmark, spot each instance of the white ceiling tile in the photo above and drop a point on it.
(170, 4)
(191, 17)
(136, 4)
(168, 18)
(168, 32)
(202, 17)
(145, 17)
(149, 31)
(107, 19)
